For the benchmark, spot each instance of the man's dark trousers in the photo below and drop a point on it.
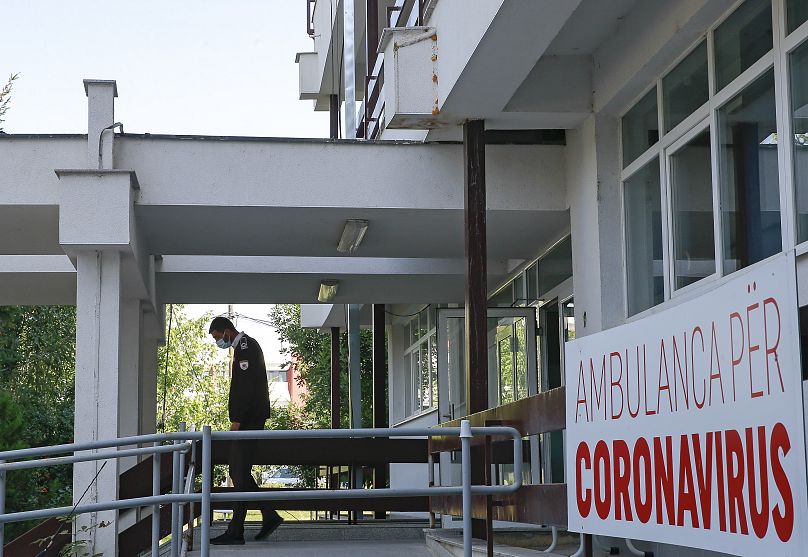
(240, 460)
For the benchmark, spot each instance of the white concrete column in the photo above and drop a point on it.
(101, 95)
(98, 353)
(593, 190)
(151, 339)
(129, 371)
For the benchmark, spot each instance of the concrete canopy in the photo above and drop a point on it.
(258, 219)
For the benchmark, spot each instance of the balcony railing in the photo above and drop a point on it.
(404, 13)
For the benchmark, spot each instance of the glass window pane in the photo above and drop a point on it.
(503, 298)
(520, 347)
(640, 127)
(643, 218)
(685, 88)
(742, 39)
(799, 111)
(433, 369)
(556, 266)
(414, 331)
(533, 282)
(797, 13)
(505, 361)
(408, 387)
(750, 193)
(426, 391)
(569, 321)
(692, 198)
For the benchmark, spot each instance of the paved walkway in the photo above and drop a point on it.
(359, 548)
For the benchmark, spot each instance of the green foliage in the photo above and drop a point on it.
(312, 352)
(193, 385)
(37, 371)
(78, 547)
(5, 97)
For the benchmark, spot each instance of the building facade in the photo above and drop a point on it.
(637, 155)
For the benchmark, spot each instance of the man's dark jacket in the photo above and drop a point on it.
(249, 395)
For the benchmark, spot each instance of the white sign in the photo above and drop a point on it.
(686, 427)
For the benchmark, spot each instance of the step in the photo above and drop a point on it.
(381, 530)
(531, 543)
(356, 548)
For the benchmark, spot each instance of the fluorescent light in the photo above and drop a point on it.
(328, 289)
(352, 235)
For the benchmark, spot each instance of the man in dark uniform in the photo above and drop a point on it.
(248, 407)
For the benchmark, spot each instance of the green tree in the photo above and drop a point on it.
(192, 382)
(37, 375)
(5, 97)
(312, 353)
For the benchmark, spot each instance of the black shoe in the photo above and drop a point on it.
(268, 527)
(227, 539)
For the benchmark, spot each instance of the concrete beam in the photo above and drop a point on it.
(37, 280)
(473, 80)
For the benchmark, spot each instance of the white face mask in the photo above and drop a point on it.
(222, 343)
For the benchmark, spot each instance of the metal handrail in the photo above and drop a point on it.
(182, 489)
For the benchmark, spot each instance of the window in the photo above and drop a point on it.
(421, 381)
(799, 118)
(503, 298)
(742, 39)
(750, 191)
(643, 234)
(685, 88)
(556, 266)
(692, 211)
(640, 127)
(796, 13)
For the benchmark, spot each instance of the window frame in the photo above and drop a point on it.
(776, 60)
(673, 149)
(413, 379)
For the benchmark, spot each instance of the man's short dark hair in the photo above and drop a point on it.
(221, 324)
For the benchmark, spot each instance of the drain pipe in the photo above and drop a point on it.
(607, 549)
(634, 551)
(554, 542)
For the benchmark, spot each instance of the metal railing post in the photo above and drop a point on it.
(431, 465)
(191, 506)
(2, 506)
(181, 507)
(175, 507)
(206, 485)
(155, 524)
(465, 456)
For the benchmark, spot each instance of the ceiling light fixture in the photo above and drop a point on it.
(328, 289)
(352, 235)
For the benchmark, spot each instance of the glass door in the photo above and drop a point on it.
(512, 371)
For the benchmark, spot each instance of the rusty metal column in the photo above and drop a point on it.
(333, 103)
(380, 471)
(476, 290)
(335, 377)
(335, 400)
(371, 32)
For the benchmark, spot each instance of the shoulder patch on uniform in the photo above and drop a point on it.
(243, 344)
(244, 364)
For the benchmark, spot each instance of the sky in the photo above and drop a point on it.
(182, 67)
